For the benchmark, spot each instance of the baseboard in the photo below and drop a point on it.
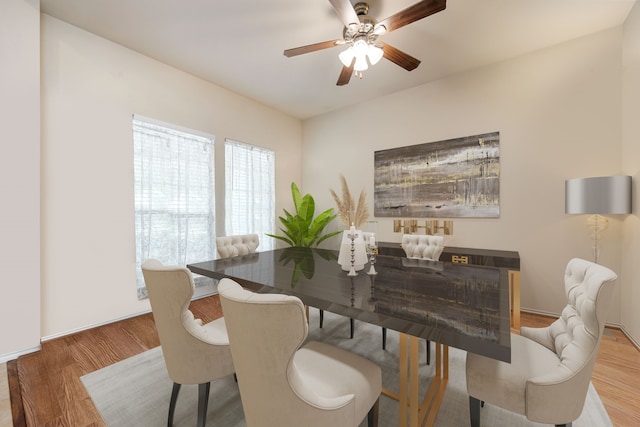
(11, 356)
(628, 335)
(539, 312)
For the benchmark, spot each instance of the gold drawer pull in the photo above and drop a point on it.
(460, 259)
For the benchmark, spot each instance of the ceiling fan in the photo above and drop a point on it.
(361, 33)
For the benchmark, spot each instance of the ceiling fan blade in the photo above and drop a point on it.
(312, 47)
(345, 74)
(346, 12)
(398, 57)
(412, 14)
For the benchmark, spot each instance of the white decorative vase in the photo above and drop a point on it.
(353, 253)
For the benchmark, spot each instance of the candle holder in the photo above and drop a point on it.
(352, 235)
(372, 251)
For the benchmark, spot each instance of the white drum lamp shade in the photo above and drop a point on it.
(598, 195)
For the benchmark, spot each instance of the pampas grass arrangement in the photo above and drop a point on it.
(348, 212)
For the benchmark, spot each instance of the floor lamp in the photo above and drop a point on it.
(598, 196)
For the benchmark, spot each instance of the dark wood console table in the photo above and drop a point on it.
(473, 256)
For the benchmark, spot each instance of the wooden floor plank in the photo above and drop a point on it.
(15, 394)
(77, 406)
(38, 398)
(142, 331)
(616, 377)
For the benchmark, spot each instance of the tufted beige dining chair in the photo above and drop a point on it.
(194, 353)
(285, 384)
(228, 246)
(550, 370)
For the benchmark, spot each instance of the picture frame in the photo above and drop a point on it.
(453, 178)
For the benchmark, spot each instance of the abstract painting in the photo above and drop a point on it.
(454, 178)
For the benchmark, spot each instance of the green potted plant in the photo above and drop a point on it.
(302, 229)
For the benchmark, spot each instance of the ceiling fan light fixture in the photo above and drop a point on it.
(374, 53)
(360, 48)
(379, 30)
(360, 51)
(361, 63)
(360, 34)
(346, 56)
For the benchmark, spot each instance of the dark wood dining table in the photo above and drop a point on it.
(459, 305)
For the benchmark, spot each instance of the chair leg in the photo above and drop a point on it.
(321, 318)
(474, 411)
(428, 352)
(351, 327)
(372, 416)
(172, 403)
(203, 401)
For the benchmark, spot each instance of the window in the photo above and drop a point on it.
(250, 191)
(174, 195)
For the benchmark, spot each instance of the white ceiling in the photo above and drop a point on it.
(238, 44)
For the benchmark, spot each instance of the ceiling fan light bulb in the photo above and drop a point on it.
(379, 29)
(374, 53)
(360, 48)
(346, 56)
(361, 63)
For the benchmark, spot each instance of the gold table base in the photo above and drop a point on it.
(412, 412)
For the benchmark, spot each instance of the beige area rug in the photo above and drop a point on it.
(136, 391)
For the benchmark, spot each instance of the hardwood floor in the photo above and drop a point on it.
(48, 382)
(5, 403)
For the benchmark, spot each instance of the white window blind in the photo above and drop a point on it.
(174, 195)
(250, 191)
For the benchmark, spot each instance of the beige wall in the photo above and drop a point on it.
(558, 113)
(90, 89)
(630, 301)
(19, 177)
